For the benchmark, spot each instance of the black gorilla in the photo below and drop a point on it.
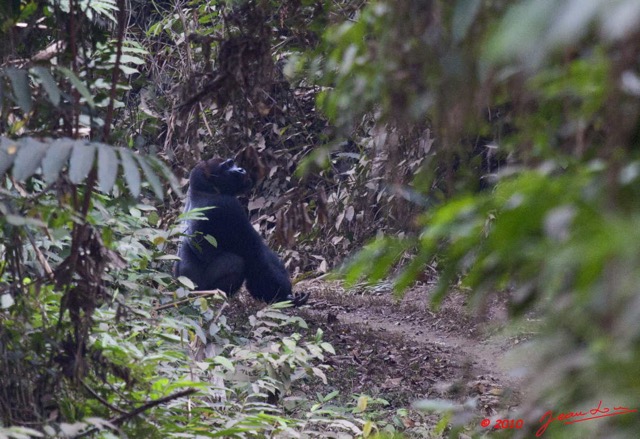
(240, 254)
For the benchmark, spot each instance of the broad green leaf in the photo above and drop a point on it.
(79, 85)
(28, 158)
(104, 7)
(224, 362)
(320, 374)
(410, 273)
(328, 347)
(151, 177)
(232, 432)
(211, 240)
(375, 260)
(20, 84)
(289, 343)
(18, 220)
(126, 59)
(275, 315)
(367, 428)
(329, 396)
(145, 207)
(199, 332)
(81, 162)
(134, 48)
(362, 403)
(195, 214)
(186, 282)
(443, 424)
(131, 172)
(107, 167)
(26, 12)
(55, 159)
(168, 258)
(170, 337)
(160, 167)
(48, 83)
(128, 70)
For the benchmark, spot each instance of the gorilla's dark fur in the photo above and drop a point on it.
(240, 254)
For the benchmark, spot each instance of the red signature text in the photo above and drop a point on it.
(575, 417)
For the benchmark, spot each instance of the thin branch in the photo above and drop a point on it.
(102, 400)
(192, 295)
(142, 408)
(115, 74)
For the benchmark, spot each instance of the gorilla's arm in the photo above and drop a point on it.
(268, 279)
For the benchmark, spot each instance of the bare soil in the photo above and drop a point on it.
(402, 351)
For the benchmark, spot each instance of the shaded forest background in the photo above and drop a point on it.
(487, 145)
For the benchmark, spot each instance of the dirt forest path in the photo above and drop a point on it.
(403, 351)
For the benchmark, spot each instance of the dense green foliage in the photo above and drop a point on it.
(559, 229)
(495, 140)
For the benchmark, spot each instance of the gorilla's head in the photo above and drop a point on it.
(220, 177)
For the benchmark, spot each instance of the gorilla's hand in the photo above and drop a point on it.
(298, 299)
